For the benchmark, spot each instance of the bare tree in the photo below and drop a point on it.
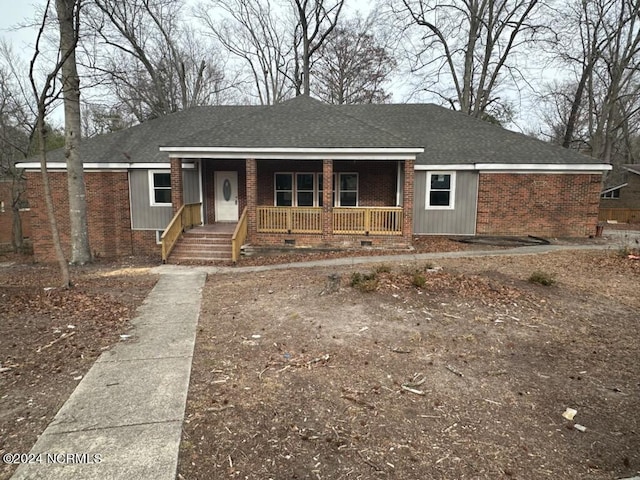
(14, 143)
(598, 108)
(45, 96)
(314, 21)
(472, 44)
(68, 12)
(153, 63)
(98, 119)
(352, 66)
(251, 31)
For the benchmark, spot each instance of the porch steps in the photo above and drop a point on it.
(199, 245)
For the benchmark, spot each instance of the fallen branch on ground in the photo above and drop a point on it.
(61, 337)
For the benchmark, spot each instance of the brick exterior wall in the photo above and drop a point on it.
(252, 192)
(110, 233)
(177, 188)
(376, 180)
(550, 205)
(376, 188)
(407, 200)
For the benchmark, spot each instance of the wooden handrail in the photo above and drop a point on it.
(239, 236)
(367, 220)
(346, 220)
(289, 220)
(186, 217)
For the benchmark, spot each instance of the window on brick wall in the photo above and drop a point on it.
(303, 189)
(160, 188)
(284, 189)
(348, 194)
(441, 191)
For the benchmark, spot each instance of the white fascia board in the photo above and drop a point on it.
(31, 166)
(450, 167)
(544, 167)
(613, 188)
(290, 153)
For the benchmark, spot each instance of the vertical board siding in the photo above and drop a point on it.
(191, 185)
(459, 221)
(143, 215)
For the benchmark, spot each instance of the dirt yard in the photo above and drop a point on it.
(419, 372)
(51, 337)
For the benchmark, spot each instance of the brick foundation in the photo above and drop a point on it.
(336, 241)
(110, 233)
(550, 205)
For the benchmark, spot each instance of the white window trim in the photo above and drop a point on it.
(294, 186)
(152, 188)
(609, 195)
(338, 190)
(452, 189)
(314, 190)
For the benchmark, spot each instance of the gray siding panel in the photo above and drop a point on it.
(191, 180)
(143, 215)
(459, 221)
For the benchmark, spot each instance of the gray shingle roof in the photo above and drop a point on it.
(302, 122)
(448, 137)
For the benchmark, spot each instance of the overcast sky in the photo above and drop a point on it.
(14, 13)
(17, 12)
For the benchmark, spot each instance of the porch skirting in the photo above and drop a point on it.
(329, 241)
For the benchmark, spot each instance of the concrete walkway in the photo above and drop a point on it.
(124, 419)
(129, 408)
(400, 258)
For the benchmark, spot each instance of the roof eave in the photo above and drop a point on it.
(295, 153)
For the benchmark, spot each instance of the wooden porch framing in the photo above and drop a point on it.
(328, 224)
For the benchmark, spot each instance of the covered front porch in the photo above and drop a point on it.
(302, 202)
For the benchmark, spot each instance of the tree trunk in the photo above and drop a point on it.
(575, 108)
(65, 281)
(17, 240)
(80, 250)
(17, 237)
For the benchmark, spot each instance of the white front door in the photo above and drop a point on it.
(226, 188)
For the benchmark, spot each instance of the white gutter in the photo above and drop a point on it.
(519, 167)
(564, 167)
(293, 153)
(103, 166)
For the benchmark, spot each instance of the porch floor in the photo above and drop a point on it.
(224, 227)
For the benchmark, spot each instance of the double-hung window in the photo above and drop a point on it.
(284, 189)
(160, 188)
(305, 189)
(441, 188)
(348, 183)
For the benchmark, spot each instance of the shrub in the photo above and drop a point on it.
(383, 269)
(542, 278)
(418, 280)
(365, 282)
